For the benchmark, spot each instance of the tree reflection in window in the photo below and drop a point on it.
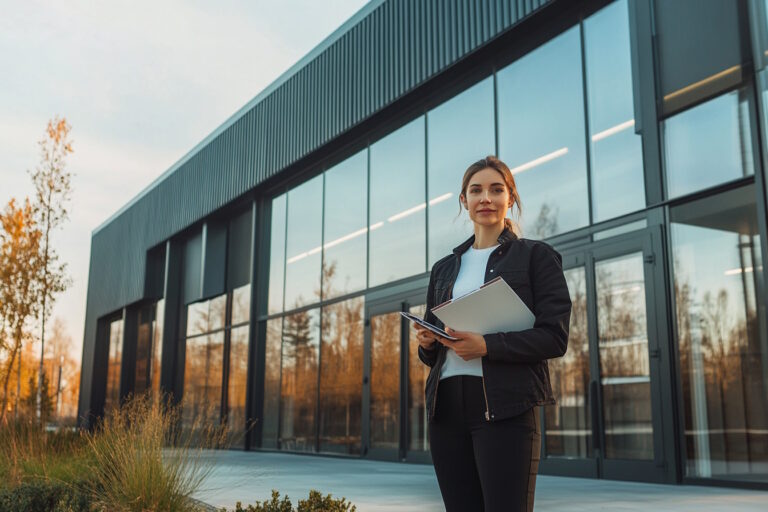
(385, 380)
(568, 424)
(298, 393)
(341, 377)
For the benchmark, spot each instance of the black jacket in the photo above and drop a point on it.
(515, 372)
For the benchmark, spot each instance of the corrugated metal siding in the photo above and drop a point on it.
(392, 50)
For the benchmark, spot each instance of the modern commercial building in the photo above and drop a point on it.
(258, 280)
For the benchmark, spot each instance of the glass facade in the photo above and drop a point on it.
(114, 364)
(721, 342)
(568, 425)
(216, 362)
(461, 131)
(674, 307)
(708, 144)
(341, 377)
(541, 135)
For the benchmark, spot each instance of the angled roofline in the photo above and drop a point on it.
(280, 80)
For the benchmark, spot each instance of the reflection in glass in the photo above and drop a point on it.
(624, 370)
(417, 380)
(298, 391)
(241, 305)
(341, 377)
(459, 132)
(541, 135)
(397, 223)
(272, 365)
(345, 226)
(305, 231)
(197, 318)
(723, 351)
(617, 160)
(157, 346)
(143, 348)
(203, 363)
(277, 254)
(114, 363)
(708, 144)
(568, 424)
(217, 312)
(385, 380)
(238, 383)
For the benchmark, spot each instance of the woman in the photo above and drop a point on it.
(483, 423)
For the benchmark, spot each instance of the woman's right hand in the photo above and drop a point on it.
(426, 338)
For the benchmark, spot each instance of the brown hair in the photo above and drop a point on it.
(491, 162)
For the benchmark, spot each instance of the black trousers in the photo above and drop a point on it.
(480, 465)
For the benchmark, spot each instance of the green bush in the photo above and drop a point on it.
(44, 496)
(315, 503)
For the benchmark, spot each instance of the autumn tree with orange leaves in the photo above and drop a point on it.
(21, 291)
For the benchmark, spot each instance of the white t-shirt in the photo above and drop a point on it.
(471, 276)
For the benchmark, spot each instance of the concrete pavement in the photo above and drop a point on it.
(375, 486)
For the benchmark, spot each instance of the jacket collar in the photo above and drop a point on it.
(505, 237)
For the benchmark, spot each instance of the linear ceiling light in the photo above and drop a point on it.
(541, 160)
(613, 130)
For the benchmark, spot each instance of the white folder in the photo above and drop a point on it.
(494, 307)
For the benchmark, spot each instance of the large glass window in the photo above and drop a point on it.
(298, 390)
(385, 380)
(341, 377)
(143, 349)
(203, 366)
(237, 384)
(272, 366)
(541, 135)
(345, 226)
(157, 346)
(616, 150)
(277, 255)
(114, 363)
(418, 440)
(459, 132)
(708, 144)
(569, 424)
(397, 223)
(303, 246)
(723, 351)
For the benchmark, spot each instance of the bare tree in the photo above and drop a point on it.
(52, 193)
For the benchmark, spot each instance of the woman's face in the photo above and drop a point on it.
(487, 198)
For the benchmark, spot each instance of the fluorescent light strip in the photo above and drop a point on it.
(611, 131)
(409, 211)
(542, 159)
(701, 83)
(735, 271)
(440, 199)
(334, 242)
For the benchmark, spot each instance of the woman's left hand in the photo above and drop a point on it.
(469, 346)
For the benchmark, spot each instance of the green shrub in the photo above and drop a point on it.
(44, 496)
(315, 503)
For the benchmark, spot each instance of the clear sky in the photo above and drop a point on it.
(141, 83)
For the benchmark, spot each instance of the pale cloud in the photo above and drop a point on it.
(141, 83)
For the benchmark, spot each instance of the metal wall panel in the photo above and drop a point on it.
(391, 49)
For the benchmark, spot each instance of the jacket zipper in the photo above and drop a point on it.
(485, 393)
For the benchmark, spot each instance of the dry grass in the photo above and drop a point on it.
(137, 459)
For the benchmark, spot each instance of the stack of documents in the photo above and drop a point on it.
(494, 307)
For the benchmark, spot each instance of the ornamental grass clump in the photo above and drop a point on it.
(143, 460)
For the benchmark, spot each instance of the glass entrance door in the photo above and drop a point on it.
(394, 381)
(607, 422)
